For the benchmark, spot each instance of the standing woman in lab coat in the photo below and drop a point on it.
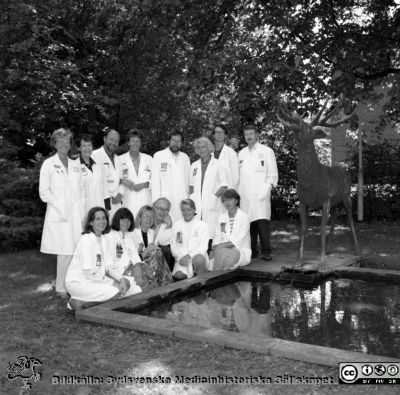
(135, 175)
(91, 173)
(231, 244)
(189, 243)
(61, 187)
(207, 184)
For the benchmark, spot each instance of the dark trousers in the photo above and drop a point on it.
(260, 228)
(166, 250)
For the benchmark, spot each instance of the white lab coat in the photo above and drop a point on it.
(258, 172)
(86, 278)
(131, 199)
(188, 238)
(129, 255)
(110, 174)
(64, 194)
(162, 235)
(240, 236)
(170, 179)
(229, 159)
(208, 206)
(93, 186)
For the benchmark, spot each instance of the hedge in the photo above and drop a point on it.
(19, 233)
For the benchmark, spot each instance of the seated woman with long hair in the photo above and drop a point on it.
(123, 249)
(88, 280)
(231, 243)
(155, 270)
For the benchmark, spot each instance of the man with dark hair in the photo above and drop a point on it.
(226, 156)
(108, 161)
(170, 174)
(258, 173)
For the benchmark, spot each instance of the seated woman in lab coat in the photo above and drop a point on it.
(231, 244)
(90, 279)
(155, 270)
(126, 260)
(189, 243)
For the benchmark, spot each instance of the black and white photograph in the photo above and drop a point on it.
(200, 197)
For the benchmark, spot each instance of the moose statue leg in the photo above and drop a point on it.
(326, 207)
(333, 215)
(347, 206)
(303, 230)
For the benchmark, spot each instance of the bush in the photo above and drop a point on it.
(381, 202)
(20, 197)
(20, 233)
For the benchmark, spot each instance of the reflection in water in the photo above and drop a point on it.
(348, 314)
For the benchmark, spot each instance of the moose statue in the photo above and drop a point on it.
(318, 186)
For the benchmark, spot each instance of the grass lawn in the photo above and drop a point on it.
(35, 323)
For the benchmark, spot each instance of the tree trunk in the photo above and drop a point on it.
(360, 189)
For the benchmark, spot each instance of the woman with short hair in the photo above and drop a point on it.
(207, 183)
(231, 244)
(189, 243)
(61, 187)
(135, 174)
(89, 280)
(91, 174)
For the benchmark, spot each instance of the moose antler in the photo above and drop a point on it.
(285, 116)
(336, 109)
(289, 118)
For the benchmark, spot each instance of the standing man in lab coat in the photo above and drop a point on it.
(258, 173)
(135, 174)
(170, 175)
(107, 160)
(227, 156)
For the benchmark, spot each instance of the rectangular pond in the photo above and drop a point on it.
(354, 315)
(336, 320)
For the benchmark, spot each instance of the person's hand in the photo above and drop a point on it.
(220, 191)
(139, 187)
(138, 275)
(124, 285)
(117, 199)
(168, 221)
(185, 260)
(150, 248)
(127, 183)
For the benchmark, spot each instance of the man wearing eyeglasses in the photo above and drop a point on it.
(163, 224)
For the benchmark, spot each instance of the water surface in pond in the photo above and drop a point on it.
(347, 314)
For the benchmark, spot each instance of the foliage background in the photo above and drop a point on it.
(163, 65)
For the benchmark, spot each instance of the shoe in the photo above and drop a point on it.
(266, 257)
(62, 295)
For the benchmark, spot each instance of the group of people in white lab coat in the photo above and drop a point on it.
(190, 212)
